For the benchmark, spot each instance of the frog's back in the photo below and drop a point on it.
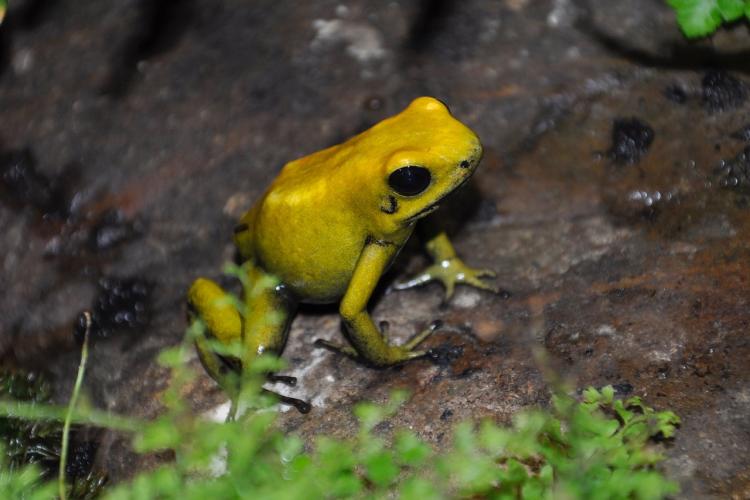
(303, 231)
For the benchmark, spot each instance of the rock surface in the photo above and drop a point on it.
(151, 126)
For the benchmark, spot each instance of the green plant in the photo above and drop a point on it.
(599, 447)
(699, 18)
(3, 8)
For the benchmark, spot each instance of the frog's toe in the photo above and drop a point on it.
(486, 273)
(300, 405)
(414, 281)
(420, 337)
(340, 349)
(450, 289)
(475, 280)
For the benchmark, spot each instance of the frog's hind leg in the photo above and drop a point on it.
(262, 328)
(209, 303)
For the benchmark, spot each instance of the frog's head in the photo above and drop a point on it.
(427, 155)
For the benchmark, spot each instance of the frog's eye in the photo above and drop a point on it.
(409, 181)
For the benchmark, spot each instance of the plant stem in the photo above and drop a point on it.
(71, 407)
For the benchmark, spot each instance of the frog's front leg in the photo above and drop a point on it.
(448, 268)
(369, 344)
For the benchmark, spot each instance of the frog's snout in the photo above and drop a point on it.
(472, 161)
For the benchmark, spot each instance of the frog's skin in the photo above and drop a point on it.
(329, 226)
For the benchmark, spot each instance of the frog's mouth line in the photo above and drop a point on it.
(424, 212)
(434, 205)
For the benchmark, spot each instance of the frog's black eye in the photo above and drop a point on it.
(409, 181)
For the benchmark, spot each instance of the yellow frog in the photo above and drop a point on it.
(327, 229)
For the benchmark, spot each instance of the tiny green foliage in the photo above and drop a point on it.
(3, 8)
(599, 447)
(595, 446)
(699, 18)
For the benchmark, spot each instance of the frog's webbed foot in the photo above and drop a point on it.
(395, 355)
(450, 272)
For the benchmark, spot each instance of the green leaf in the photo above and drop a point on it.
(380, 468)
(624, 414)
(667, 423)
(591, 395)
(608, 394)
(463, 438)
(515, 473)
(369, 415)
(731, 10)
(160, 434)
(345, 485)
(697, 18)
(410, 450)
(3, 8)
(416, 488)
(493, 438)
(289, 448)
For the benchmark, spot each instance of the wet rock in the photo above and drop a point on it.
(742, 134)
(23, 185)
(623, 388)
(81, 459)
(445, 354)
(120, 304)
(676, 94)
(722, 91)
(111, 229)
(735, 173)
(631, 139)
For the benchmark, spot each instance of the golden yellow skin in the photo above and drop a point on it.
(329, 226)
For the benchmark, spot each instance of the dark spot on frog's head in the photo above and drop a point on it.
(390, 206)
(465, 164)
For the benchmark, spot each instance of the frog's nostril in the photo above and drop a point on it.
(465, 164)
